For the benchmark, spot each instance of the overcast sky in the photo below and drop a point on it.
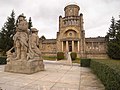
(45, 14)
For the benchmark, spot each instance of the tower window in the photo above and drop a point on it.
(70, 34)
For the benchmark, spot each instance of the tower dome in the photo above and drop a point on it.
(71, 10)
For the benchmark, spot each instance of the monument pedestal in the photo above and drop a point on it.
(24, 66)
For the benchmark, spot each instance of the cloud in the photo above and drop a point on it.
(45, 14)
(97, 14)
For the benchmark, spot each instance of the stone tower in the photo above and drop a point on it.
(71, 36)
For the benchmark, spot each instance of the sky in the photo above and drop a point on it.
(45, 14)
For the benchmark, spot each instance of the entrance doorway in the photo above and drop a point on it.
(70, 46)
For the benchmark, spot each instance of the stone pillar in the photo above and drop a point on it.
(78, 46)
(62, 46)
(73, 46)
(98, 46)
(81, 46)
(92, 45)
(67, 46)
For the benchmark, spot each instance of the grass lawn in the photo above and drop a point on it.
(52, 58)
(77, 60)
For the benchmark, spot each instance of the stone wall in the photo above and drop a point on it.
(97, 55)
(48, 47)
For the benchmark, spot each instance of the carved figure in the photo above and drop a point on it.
(21, 38)
(34, 51)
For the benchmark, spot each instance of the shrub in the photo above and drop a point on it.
(73, 55)
(3, 60)
(85, 62)
(108, 71)
(60, 55)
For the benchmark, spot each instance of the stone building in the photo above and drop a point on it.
(71, 37)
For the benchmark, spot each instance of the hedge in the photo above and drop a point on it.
(60, 55)
(3, 60)
(108, 71)
(85, 62)
(73, 55)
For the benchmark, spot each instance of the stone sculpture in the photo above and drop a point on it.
(21, 38)
(34, 51)
(69, 60)
(27, 56)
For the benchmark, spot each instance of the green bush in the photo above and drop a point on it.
(73, 55)
(108, 71)
(3, 60)
(85, 62)
(60, 55)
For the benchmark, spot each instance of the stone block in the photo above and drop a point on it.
(24, 66)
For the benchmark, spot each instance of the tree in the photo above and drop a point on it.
(111, 35)
(42, 37)
(30, 23)
(113, 39)
(6, 34)
(114, 50)
(118, 31)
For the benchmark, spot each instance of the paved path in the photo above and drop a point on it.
(55, 77)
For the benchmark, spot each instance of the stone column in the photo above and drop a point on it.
(98, 46)
(78, 46)
(73, 46)
(92, 45)
(81, 48)
(62, 46)
(67, 46)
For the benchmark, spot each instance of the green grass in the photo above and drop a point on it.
(53, 58)
(77, 60)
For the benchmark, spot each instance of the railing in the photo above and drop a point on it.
(73, 20)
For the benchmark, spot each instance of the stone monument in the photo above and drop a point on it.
(69, 60)
(25, 56)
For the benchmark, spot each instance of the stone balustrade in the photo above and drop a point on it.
(73, 20)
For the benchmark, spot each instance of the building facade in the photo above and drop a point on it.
(71, 37)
